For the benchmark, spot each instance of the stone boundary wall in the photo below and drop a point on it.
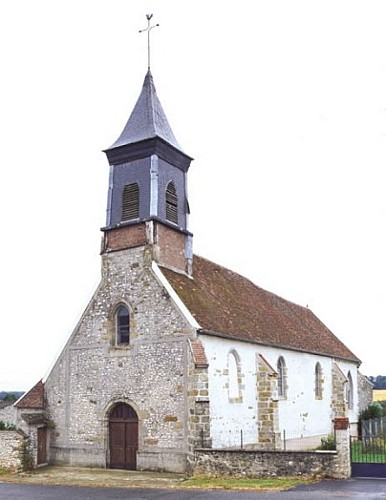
(13, 446)
(254, 464)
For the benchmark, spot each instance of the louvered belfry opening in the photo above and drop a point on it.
(171, 203)
(130, 202)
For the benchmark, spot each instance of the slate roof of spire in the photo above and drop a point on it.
(225, 303)
(147, 120)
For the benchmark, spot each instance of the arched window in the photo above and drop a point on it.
(233, 377)
(318, 381)
(282, 378)
(171, 203)
(130, 202)
(350, 392)
(122, 325)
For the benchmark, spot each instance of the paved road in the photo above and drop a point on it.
(367, 489)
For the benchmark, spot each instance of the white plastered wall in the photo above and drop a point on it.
(301, 414)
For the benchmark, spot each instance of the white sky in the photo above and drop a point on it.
(281, 103)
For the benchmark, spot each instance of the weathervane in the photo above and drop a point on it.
(148, 29)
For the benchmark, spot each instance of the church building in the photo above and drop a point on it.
(175, 352)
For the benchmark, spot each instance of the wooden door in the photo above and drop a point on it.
(42, 445)
(123, 433)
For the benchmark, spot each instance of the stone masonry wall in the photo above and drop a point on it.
(198, 407)
(13, 449)
(338, 397)
(93, 372)
(267, 406)
(8, 414)
(254, 464)
(365, 392)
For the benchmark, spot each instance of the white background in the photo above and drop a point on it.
(282, 105)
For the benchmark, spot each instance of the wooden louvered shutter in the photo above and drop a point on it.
(130, 202)
(171, 203)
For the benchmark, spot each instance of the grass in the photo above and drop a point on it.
(273, 484)
(371, 457)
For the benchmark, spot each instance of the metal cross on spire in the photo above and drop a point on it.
(148, 29)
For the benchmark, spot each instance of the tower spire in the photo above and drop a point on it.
(148, 29)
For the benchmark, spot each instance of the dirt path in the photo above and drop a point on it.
(95, 477)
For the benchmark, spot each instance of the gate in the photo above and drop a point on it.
(123, 434)
(368, 456)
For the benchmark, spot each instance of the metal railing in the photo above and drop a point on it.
(284, 441)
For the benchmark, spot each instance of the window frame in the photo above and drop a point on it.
(281, 378)
(234, 377)
(318, 380)
(122, 338)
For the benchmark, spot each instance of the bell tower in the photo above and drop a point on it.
(147, 199)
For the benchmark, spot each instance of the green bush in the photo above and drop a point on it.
(4, 426)
(383, 404)
(374, 410)
(327, 443)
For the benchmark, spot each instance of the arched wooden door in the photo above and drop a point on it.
(123, 433)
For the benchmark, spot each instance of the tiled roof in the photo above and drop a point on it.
(199, 355)
(34, 398)
(227, 304)
(147, 119)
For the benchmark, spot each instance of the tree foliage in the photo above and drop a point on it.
(379, 381)
(374, 410)
(10, 395)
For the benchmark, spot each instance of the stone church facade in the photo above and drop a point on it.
(175, 352)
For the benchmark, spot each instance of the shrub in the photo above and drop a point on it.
(374, 410)
(4, 426)
(327, 443)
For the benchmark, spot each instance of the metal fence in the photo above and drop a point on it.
(369, 449)
(294, 442)
(370, 446)
(284, 441)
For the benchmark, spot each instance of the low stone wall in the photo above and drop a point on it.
(13, 450)
(253, 464)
